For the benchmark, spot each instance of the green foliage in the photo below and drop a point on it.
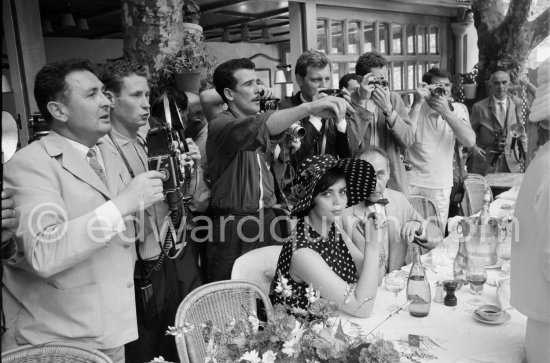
(194, 56)
(191, 12)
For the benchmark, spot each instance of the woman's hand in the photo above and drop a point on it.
(373, 234)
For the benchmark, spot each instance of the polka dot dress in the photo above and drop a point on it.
(333, 250)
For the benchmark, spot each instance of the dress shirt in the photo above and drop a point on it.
(108, 214)
(501, 107)
(317, 122)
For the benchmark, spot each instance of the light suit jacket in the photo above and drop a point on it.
(394, 141)
(63, 284)
(485, 123)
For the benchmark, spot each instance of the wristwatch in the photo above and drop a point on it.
(388, 112)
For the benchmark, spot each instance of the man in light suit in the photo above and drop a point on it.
(399, 221)
(72, 277)
(490, 117)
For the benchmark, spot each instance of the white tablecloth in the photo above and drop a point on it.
(463, 338)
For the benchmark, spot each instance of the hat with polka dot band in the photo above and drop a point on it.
(359, 175)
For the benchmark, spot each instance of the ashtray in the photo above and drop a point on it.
(489, 312)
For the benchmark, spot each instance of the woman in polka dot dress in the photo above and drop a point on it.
(316, 254)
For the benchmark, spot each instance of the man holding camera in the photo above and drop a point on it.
(156, 282)
(491, 120)
(322, 135)
(381, 118)
(239, 157)
(438, 124)
(72, 278)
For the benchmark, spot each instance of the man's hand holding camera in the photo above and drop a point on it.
(326, 106)
(191, 157)
(142, 192)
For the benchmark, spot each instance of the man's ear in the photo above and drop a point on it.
(228, 92)
(58, 110)
(299, 80)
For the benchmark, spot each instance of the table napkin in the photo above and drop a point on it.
(510, 194)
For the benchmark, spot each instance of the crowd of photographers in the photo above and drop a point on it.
(196, 181)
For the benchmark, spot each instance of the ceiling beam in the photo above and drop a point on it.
(259, 28)
(219, 5)
(104, 15)
(250, 19)
(259, 37)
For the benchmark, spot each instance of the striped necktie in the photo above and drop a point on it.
(94, 163)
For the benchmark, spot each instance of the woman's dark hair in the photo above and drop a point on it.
(328, 180)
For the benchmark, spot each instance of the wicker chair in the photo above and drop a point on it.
(474, 188)
(427, 209)
(217, 302)
(257, 266)
(55, 353)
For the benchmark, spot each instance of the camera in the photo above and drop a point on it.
(333, 92)
(296, 130)
(269, 104)
(500, 146)
(38, 127)
(437, 89)
(381, 81)
(163, 155)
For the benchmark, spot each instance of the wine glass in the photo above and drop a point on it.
(476, 275)
(395, 282)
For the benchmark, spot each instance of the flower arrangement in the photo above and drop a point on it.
(471, 77)
(303, 336)
(193, 56)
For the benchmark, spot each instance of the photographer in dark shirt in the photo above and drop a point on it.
(239, 156)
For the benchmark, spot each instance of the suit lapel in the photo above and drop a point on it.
(116, 178)
(56, 145)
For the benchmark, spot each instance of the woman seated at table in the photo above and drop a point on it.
(316, 254)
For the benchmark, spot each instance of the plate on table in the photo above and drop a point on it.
(501, 320)
(496, 265)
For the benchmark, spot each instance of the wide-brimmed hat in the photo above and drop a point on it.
(359, 175)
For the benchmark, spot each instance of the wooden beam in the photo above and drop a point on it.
(249, 19)
(219, 5)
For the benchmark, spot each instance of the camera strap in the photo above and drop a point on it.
(141, 265)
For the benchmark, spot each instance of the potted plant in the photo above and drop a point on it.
(187, 65)
(469, 84)
(191, 12)
(191, 16)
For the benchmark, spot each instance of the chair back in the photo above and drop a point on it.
(474, 188)
(218, 302)
(427, 209)
(55, 352)
(257, 266)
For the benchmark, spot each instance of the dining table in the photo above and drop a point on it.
(449, 333)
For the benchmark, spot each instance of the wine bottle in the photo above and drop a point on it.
(484, 216)
(418, 287)
(460, 266)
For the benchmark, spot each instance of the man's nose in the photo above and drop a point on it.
(106, 101)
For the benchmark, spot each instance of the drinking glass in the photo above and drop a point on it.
(476, 275)
(395, 282)
(504, 251)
